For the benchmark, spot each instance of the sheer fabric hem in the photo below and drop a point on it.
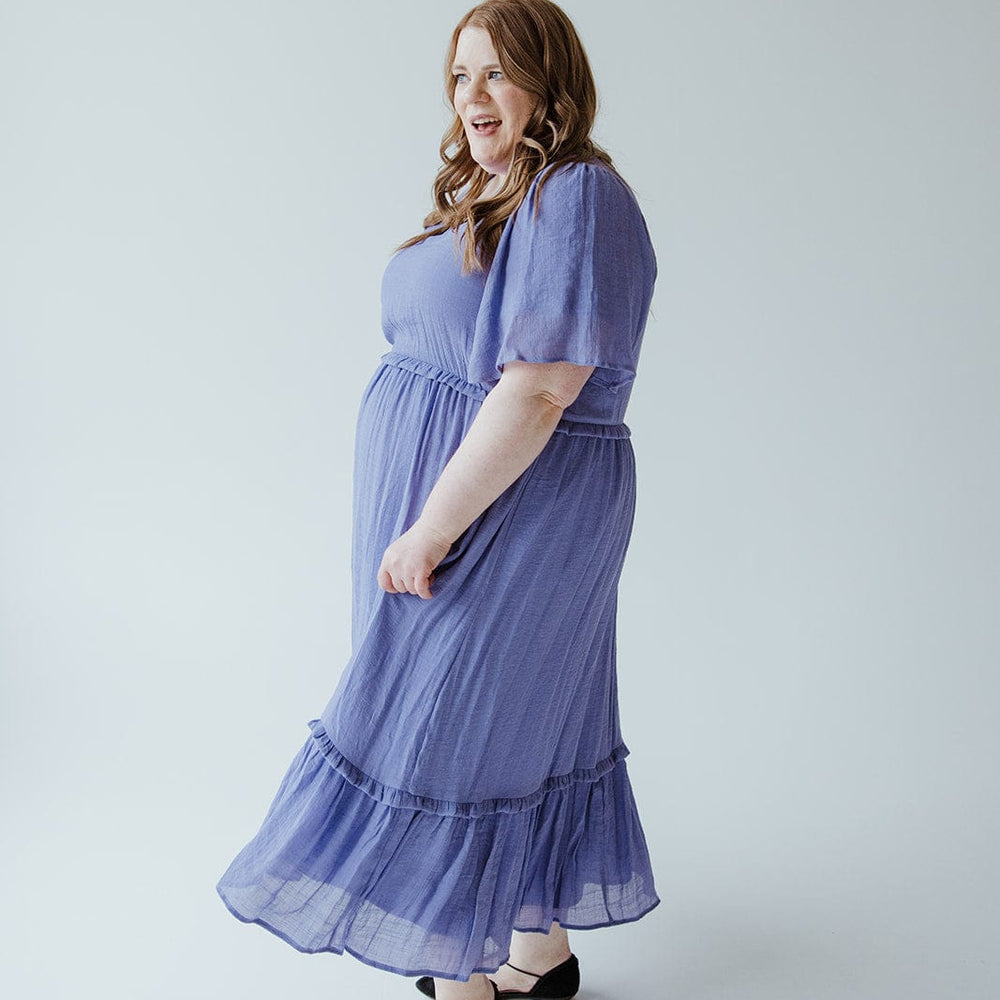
(416, 892)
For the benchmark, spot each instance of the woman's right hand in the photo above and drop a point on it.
(408, 564)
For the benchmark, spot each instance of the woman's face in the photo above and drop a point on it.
(483, 93)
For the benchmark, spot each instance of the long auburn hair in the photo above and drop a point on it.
(540, 52)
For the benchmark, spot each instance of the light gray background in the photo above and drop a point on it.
(196, 204)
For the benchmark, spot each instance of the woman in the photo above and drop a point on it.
(463, 798)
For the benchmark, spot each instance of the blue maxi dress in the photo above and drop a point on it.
(468, 775)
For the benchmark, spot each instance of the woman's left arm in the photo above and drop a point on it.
(515, 421)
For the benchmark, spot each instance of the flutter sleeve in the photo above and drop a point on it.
(572, 284)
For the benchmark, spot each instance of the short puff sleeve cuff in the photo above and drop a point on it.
(573, 284)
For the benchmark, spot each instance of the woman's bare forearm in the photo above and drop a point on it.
(507, 435)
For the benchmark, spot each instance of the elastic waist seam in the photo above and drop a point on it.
(567, 425)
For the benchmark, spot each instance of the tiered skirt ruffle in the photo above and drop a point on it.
(420, 886)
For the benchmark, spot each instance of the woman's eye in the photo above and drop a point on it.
(493, 74)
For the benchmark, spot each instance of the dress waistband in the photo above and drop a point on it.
(567, 425)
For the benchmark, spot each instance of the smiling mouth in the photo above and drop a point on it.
(486, 125)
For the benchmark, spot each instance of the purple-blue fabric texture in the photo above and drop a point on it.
(468, 775)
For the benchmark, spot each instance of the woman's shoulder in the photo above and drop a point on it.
(581, 171)
(582, 186)
(587, 204)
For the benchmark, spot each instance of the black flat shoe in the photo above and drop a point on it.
(559, 983)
